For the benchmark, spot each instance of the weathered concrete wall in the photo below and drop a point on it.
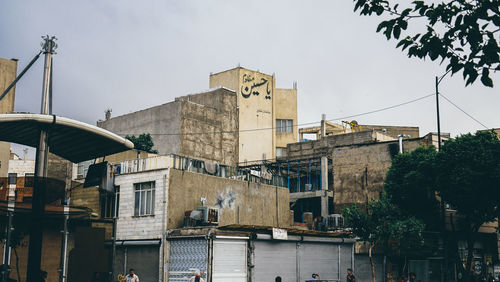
(239, 202)
(60, 169)
(285, 107)
(216, 112)
(322, 147)
(21, 167)
(141, 227)
(228, 79)
(156, 120)
(394, 131)
(8, 72)
(359, 170)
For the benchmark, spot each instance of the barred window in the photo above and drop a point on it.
(144, 198)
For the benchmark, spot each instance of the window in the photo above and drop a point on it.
(144, 198)
(284, 125)
(12, 178)
(280, 152)
(83, 167)
(110, 203)
(29, 180)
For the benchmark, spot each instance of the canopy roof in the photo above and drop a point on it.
(70, 139)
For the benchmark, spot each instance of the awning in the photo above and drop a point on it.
(70, 139)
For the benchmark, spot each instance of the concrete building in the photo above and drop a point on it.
(8, 72)
(261, 105)
(243, 117)
(159, 193)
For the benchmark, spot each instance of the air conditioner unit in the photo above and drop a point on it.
(210, 215)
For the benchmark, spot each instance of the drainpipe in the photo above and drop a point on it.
(323, 126)
(400, 137)
(163, 229)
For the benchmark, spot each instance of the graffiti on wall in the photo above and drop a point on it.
(224, 200)
(250, 85)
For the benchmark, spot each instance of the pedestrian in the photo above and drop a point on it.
(43, 276)
(131, 276)
(196, 277)
(413, 277)
(350, 276)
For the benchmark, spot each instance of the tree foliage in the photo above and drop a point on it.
(143, 142)
(385, 226)
(468, 176)
(460, 32)
(465, 173)
(411, 186)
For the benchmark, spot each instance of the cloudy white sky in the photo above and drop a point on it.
(130, 55)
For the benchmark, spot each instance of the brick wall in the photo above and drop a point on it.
(146, 227)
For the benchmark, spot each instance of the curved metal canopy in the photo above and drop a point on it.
(70, 139)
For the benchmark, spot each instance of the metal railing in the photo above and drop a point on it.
(198, 166)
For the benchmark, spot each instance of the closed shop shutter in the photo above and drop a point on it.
(362, 268)
(229, 261)
(186, 255)
(143, 259)
(319, 258)
(346, 260)
(273, 259)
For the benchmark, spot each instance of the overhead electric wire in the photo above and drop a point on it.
(463, 111)
(297, 125)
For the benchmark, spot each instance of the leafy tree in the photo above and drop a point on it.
(468, 178)
(143, 142)
(461, 32)
(384, 226)
(410, 183)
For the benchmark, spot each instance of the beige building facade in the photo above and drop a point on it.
(8, 72)
(267, 115)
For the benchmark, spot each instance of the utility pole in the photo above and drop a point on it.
(39, 189)
(443, 208)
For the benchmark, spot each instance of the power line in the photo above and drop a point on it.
(302, 124)
(463, 111)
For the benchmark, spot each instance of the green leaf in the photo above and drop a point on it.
(485, 78)
(396, 31)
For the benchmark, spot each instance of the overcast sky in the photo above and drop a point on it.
(130, 55)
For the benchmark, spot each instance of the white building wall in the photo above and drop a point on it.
(130, 227)
(21, 167)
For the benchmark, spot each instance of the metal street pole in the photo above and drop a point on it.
(64, 246)
(39, 189)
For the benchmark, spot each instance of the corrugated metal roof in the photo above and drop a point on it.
(70, 139)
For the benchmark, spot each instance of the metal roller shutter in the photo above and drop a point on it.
(273, 259)
(229, 261)
(319, 258)
(186, 255)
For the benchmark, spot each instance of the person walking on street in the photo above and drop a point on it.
(350, 276)
(131, 276)
(196, 277)
(413, 277)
